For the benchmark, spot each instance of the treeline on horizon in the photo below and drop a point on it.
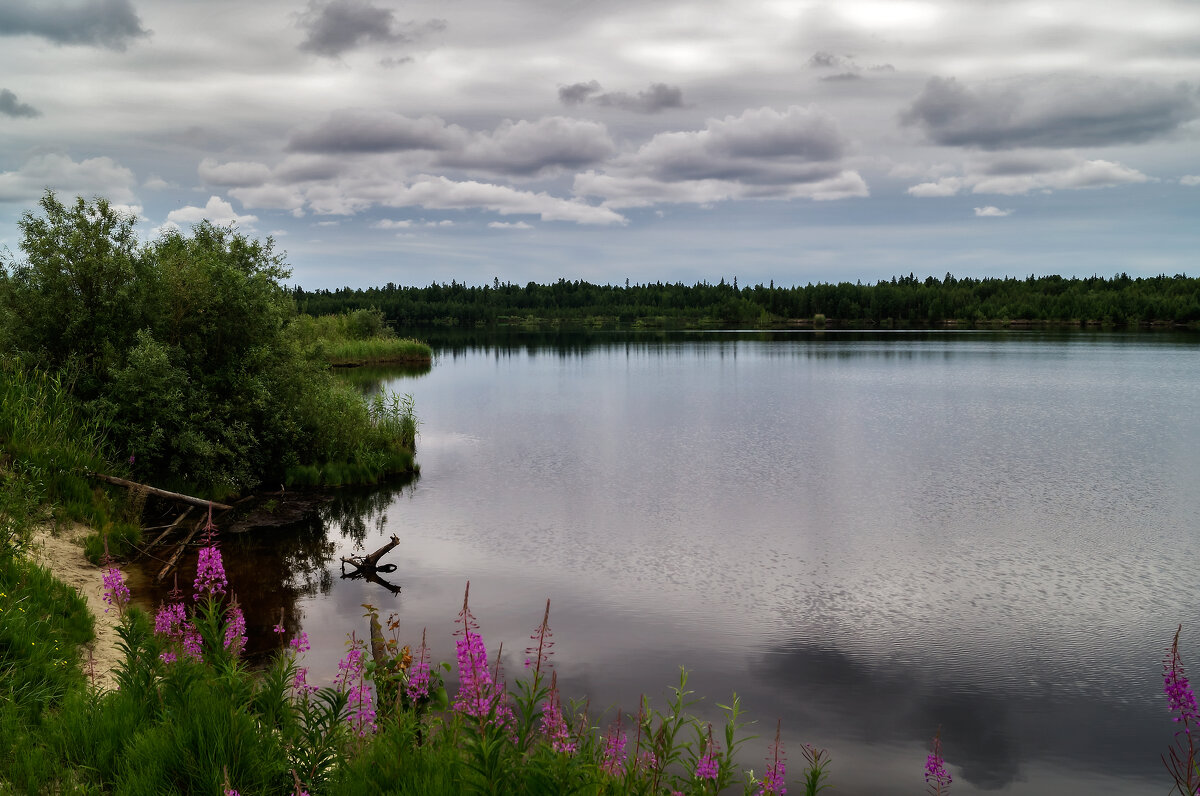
(905, 301)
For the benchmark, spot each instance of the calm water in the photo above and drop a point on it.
(866, 535)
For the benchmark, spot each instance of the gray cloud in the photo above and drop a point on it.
(762, 154)
(824, 60)
(104, 23)
(526, 148)
(658, 97)
(576, 93)
(1053, 111)
(842, 76)
(521, 148)
(100, 175)
(761, 146)
(376, 131)
(341, 25)
(10, 107)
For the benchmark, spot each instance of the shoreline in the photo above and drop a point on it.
(60, 550)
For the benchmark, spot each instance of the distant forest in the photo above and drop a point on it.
(902, 302)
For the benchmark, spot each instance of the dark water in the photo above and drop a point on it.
(870, 536)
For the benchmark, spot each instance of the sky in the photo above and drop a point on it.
(792, 141)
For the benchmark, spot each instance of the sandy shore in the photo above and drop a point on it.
(62, 554)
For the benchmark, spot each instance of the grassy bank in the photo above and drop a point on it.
(356, 338)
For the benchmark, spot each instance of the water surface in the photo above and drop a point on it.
(870, 536)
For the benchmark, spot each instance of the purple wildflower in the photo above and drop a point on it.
(613, 755)
(116, 593)
(773, 779)
(1180, 699)
(300, 643)
(708, 767)
(418, 676)
(170, 619)
(350, 680)
(937, 778)
(300, 682)
(478, 695)
(554, 726)
(210, 574)
(538, 654)
(235, 629)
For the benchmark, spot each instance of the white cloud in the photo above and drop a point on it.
(947, 186)
(1013, 175)
(445, 194)
(991, 211)
(157, 183)
(217, 210)
(388, 223)
(1086, 174)
(509, 225)
(101, 176)
(235, 174)
(1190, 179)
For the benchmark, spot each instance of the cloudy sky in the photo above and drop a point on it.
(788, 140)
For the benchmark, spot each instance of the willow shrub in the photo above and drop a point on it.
(177, 349)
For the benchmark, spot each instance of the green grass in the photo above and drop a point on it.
(355, 338)
(378, 350)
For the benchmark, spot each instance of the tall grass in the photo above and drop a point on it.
(355, 338)
(49, 443)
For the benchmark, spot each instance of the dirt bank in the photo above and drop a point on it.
(62, 554)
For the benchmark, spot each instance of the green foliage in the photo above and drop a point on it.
(42, 624)
(185, 351)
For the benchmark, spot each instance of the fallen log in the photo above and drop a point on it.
(162, 493)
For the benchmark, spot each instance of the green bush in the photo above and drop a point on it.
(185, 353)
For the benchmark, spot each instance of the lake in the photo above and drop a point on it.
(869, 535)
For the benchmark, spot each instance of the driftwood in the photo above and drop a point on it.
(195, 501)
(371, 562)
(170, 529)
(368, 567)
(179, 550)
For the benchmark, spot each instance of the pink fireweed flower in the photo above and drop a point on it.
(171, 622)
(538, 654)
(116, 593)
(937, 778)
(708, 767)
(417, 687)
(478, 695)
(554, 726)
(1180, 699)
(210, 574)
(300, 682)
(300, 643)
(613, 755)
(170, 619)
(773, 779)
(350, 681)
(235, 629)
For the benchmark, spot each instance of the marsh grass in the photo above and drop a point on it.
(355, 338)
